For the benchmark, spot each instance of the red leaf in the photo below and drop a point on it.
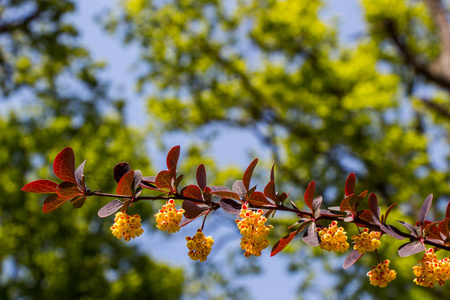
(388, 211)
(121, 169)
(64, 165)
(258, 199)
(125, 185)
(269, 190)
(365, 215)
(248, 174)
(350, 184)
(444, 227)
(227, 194)
(52, 203)
(282, 243)
(348, 203)
(40, 186)
(164, 180)
(192, 210)
(272, 173)
(309, 194)
(373, 205)
(201, 176)
(68, 190)
(192, 191)
(172, 160)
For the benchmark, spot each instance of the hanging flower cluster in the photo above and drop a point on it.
(199, 246)
(367, 241)
(126, 226)
(168, 218)
(431, 270)
(381, 275)
(254, 231)
(333, 238)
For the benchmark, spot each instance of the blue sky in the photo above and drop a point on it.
(119, 72)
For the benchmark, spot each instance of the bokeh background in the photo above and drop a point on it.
(324, 88)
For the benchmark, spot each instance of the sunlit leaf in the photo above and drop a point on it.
(282, 243)
(68, 190)
(125, 185)
(40, 186)
(64, 165)
(52, 203)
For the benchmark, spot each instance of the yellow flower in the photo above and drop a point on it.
(431, 270)
(168, 217)
(367, 241)
(381, 275)
(254, 231)
(126, 226)
(333, 238)
(199, 246)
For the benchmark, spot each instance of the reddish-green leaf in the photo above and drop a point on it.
(423, 212)
(348, 203)
(388, 211)
(201, 176)
(309, 195)
(110, 208)
(192, 192)
(172, 160)
(64, 165)
(282, 243)
(52, 203)
(125, 185)
(227, 194)
(350, 184)
(230, 206)
(411, 248)
(258, 199)
(391, 230)
(121, 169)
(192, 210)
(164, 180)
(373, 205)
(444, 227)
(186, 221)
(248, 174)
(78, 201)
(68, 190)
(366, 215)
(351, 259)
(40, 186)
(269, 190)
(272, 173)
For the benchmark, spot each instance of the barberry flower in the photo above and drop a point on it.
(431, 270)
(367, 241)
(254, 231)
(381, 275)
(333, 238)
(199, 246)
(126, 226)
(168, 217)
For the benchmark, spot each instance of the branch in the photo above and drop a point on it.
(13, 25)
(419, 67)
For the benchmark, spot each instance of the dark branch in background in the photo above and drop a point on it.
(438, 108)
(411, 59)
(13, 25)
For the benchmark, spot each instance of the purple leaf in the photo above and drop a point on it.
(411, 248)
(425, 208)
(350, 260)
(110, 208)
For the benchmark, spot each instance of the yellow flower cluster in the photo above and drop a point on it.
(199, 246)
(367, 241)
(254, 231)
(333, 238)
(168, 217)
(381, 275)
(126, 226)
(431, 270)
